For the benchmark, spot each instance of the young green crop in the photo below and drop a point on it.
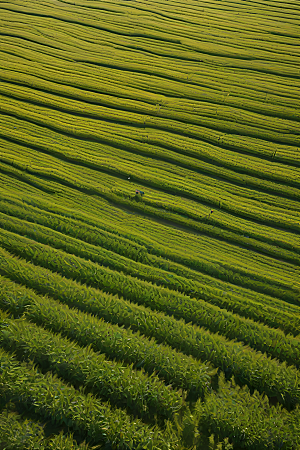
(229, 400)
(142, 396)
(258, 336)
(154, 90)
(185, 162)
(256, 276)
(184, 110)
(249, 420)
(177, 369)
(249, 367)
(19, 433)
(207, 225)
(249, 275)
(272, 312)
(97, 422)
(275, 318)
(227, 118)
(98, 99)
(193, 185)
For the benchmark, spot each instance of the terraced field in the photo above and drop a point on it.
(168, 320)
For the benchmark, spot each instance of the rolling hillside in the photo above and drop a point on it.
(150, 224)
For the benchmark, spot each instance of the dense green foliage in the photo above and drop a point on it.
(17, 433)
(176, 368)
(172, 303)
(149, 225)
(50, 397)
(140, 395)
(249, 367)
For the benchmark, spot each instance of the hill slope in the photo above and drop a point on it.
(149, 224)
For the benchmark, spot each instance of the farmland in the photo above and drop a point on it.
(150, 224)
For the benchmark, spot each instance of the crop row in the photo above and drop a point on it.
(158, 203)
(198, 187)
(214, 238)
(283, 238)
(137, 95)
(111, 144)
(209, 52)
(49, 397)
(171, 82)
(235, 141)
(99, 237)
(246, 412)
(144, 293)
(67, 45)
(229, 119)
(178, 141)
(184, 110)
(188, 26)
(19, 433)
(136, 234)
(277, 318)
(141, 395)
(259, 278)
(116, 162)
(98, 231)
(192, 25)
(233, 412)
(34, 137)
(249, 367)
(182, 371)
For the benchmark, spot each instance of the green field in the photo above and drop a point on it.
(163, 321)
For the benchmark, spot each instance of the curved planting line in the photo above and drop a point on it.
(224, 270)
(196, 165)
(174, 367)
(56, 240)
(282, 239)
(111, 25)
(157, 298)
(247, 366)
(262, 309)
(52, 399)
(140, 395)
(245, 409)
(223, 119)
(208, 129)
(197, 104)
(245, 207)
(260, 282)
(270, 85)
(179, 213)
(114, 95)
